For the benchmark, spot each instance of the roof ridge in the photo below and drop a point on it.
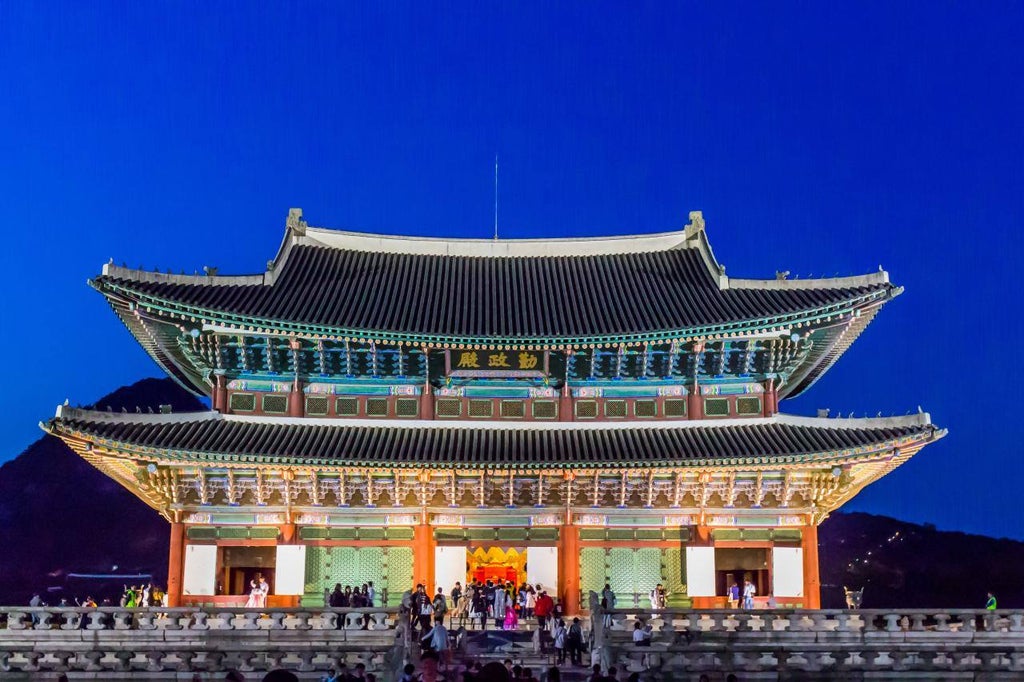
(64, 412)
(494, 248)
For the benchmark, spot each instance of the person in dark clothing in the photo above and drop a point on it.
(574, 642)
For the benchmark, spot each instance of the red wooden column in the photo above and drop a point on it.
(220, 394)
(768, 401)
(702, 538)
(296, 399)
(427, 396)
(427, 402)
(693, 406)
(175, 565)
(565, 412)
(423, 545)
(569, 568)
(812, 580)
(565, 404)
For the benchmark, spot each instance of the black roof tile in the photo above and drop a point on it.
(523, 297)
(437, 444)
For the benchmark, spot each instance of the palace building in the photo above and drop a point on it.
(563, 412)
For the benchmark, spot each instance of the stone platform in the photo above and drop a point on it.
(172, 644)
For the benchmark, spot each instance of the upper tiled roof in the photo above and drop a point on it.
(211, 436)
(496, 290)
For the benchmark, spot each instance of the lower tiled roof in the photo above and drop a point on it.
(209, 436)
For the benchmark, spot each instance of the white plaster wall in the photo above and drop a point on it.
(449, 568)
(200, 574)
(542, 568)
(788, 572)
(290, 570)
(700, 571)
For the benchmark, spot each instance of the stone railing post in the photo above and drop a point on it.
(146, 620)
(154, 659)
(248, 621)
(185, 659)
(123, 620)
(72, 620)
(329, 620)
(96, 620)
(18, 620)
(842, 622)
(93, 658)
(200, 620)
(302, 619)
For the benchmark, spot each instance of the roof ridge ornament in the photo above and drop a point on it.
(295, 222)
(695, 226)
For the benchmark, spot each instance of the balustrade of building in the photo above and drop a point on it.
(163, 643)
(160, 643)
(825, 644)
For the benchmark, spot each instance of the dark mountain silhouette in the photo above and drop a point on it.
(58, 515)
(911, 565)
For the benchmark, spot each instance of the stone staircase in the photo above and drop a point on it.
(525, 648)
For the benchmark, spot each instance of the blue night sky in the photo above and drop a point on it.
(819, 138)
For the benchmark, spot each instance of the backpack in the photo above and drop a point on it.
(440, 605)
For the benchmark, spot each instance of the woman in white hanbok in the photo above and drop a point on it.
(258, 594)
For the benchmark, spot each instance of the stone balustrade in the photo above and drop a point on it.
(163, 643)
(822, 644)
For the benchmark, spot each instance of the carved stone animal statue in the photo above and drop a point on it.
(853, 597)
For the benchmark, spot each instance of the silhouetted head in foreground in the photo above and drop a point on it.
(494, 672)
(280, 676)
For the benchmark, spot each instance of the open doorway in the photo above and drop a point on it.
(240, 565)
(497, 564)
(736, 565)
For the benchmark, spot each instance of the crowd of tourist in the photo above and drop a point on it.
(352, 598)
(478, 604)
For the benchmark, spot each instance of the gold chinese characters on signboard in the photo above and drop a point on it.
(496, 360)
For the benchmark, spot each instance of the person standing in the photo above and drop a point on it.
(560, 636)
(734, 595)
(748, 595)
(544, 609)
(426, 613)
(499, 607)
(574, 642)
(437, 639)
(657, 597)
(440, 604)
(479, 607)
(35, 602)
(489, 591)
(511, 619)
(371, 594)
(456, 595)
(607, 604)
